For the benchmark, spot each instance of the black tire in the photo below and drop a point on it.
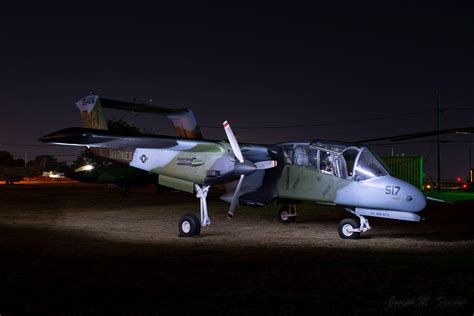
(189, 225)
(284, 215)
(348, 223)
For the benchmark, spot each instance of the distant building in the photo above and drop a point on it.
(407, 168)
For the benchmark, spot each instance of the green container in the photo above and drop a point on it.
(407, 168)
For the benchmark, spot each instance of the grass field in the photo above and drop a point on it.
(452, 196)
(86, 250)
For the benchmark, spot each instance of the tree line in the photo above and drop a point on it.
(84, 158)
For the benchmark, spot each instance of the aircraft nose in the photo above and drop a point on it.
(417, 199)
(412, 199)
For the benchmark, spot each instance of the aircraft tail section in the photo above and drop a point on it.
(185, 125)
(93, 117)
(183, 120)
(91, 112)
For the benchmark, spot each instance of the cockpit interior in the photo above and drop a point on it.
(345, 161)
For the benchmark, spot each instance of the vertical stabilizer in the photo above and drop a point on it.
(91, 112)
(185, 124)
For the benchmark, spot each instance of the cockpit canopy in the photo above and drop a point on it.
(342, 160)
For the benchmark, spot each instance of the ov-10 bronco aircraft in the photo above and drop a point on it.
(334, 173)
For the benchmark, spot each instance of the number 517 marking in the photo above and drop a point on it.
(392, 189)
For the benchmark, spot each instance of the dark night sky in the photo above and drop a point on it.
(272, 65)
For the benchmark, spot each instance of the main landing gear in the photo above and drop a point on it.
(189, 224)
(350, 229)
(287, 214)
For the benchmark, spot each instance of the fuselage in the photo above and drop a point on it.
(326, 172)
(345, 175)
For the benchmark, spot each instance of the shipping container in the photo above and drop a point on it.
(407, 168)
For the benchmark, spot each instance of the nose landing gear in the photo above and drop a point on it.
(287, 214)
(350, 229)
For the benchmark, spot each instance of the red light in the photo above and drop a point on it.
(464, 186)
(458, 179)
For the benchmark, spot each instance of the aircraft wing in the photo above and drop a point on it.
(461, 130)
(94, 138)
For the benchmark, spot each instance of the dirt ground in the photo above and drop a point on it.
(84, 249)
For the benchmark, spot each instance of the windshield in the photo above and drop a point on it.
(368, 166)
(345, 161)
(381, 162)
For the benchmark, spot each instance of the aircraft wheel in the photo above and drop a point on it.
(345, 226)
(284, 216)
(189, 225)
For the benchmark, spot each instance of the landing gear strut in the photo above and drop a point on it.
(287, 214)
(189, 224)
(350, 229)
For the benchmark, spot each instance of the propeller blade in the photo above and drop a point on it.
(266, 164)
(233, 142)
(235, 198)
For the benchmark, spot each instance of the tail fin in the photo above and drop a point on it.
(91, 112)
(185, 124)
(183, 120)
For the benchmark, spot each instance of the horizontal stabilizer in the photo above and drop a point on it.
(139, 107)
(183, 120)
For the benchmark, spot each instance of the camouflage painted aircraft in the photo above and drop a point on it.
(332, 173)
(122, 176)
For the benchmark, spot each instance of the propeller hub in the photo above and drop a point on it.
(244, 168)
